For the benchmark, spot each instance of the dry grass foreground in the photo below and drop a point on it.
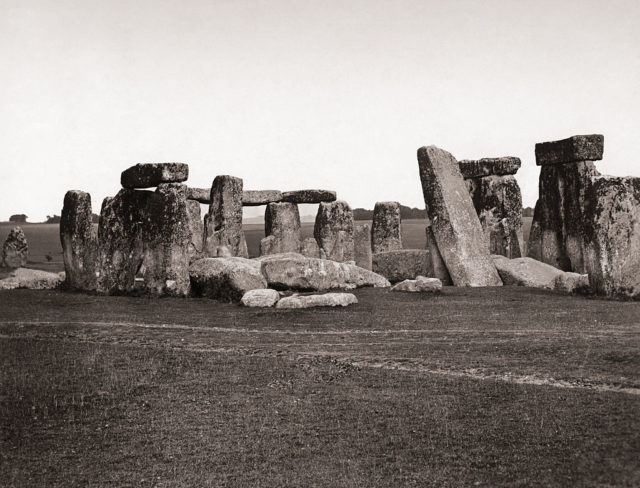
(475, 387)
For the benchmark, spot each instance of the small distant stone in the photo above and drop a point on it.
(575, 148)
(15, 250)
(147, 175)
(508, 165)
(419, 285)
(309, 196)
(260, 298)
(254, 198)
(202, 195)
(326, 300)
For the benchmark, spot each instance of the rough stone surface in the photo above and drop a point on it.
(79, 239)
(570, 282)
(386, 227)
(260, 298)
(326, 300)
(15, 250)
(225, 279)
(572, 149)
(404, 264)
(254, 198)
(454, 221)
(420, 285)
(310, 248)
(196, 227)
(498, 203)
(202, 195)
(526, 272)
(223, 222)
(33, 279)
(477, 168)
(333, 231)
(362, 246)
(437, 263)
(309, 196)
(147, 175)
(300, 273)
(282, 229)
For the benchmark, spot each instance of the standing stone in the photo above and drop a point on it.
(362, 246)
(437, 263)
(196, 227)
(282, 229)
(386, 231)
(333, 231)
(310, 248)
(254, 198)
(455, 223)
(403, 264)
(223, 223)
(309, 196)
(15, 250)
(147, 175)
(79, 239)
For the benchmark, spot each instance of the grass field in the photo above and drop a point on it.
(475, 387)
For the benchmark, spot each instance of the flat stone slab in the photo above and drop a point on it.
(326, 300)
(202, 195)
(575, 148)
(309, 196)
(147, 175)
(419, 285)
(477, 168)
(255, 198)
(32, 279)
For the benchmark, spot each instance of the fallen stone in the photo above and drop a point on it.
(301, 273)
(225, 279)
(282, 229)
(437, 263)
(454, 221)
(526, 272)
(333, 231)
(326, 300)
(15, 250)
(385, 230)
(310, 248)
(404, 264)
(260, 298)
(79, 239)
(420, 285)
(362, 246)
(575, 148)
(32, 279)
(147, 175)
(309, 196)
(254, 198)
(202, 195)
(478, 168)
(223, 222)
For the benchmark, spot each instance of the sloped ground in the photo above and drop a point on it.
(475, 387)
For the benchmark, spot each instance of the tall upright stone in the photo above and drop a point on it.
(362, 246)
(15, 250)
(196, 226)
(386, 227)
(282, 229)
(223, 222)
(455, 224)
(333, 231)
(79, 239)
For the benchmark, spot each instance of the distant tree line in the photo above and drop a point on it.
(18, 218)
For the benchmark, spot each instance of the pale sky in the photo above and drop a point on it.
(289, 95)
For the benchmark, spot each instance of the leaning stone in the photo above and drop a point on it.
(223, 223)
(15, 250)
(478, 168)
(309, 196)
(385, 230)
(326, 300)
(404, 264)
(419, 285)
(254, 198)
(225, 279)
(362, 246)
(317, 274)
(333, 231)
(260, 298)
(455, 223)
(79, 239)
(571, 282)
(310, 248)
(526, 272)
(147, 175)
(437, 263)
(575, 148)
(202, 195)
(32, 279)
(282, 228)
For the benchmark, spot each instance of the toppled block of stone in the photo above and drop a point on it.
(454, 221)
(282, 229)
(309, 196)
(386, 227)
(147, 175)
(32, 279)
(333, 231)
(310, 248)
(79, 239)
(362, 246)
(404, 264)
(326, 300)
(15, 249)
(477, 168)
(255, 198)
(202, 195)
(300, 273)
(260, 298)
(226, 279)
(223, 222)
(526, 272)
(575, 148)
(420, 285)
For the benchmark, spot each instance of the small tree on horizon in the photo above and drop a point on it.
(18, 218)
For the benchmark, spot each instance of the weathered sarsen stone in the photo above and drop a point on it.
(455, 223)
(79, 239)
(196, 226)
(223, 223)
(309, 196)
(310, 248)
(386, 227)
(572, 149)
(324, 300)
(478, 168)
(254, 198)
(147, 175)
(362, 246)
(202, 195)
(15, 250)
(403, 264)
(282, 229)
(333, 231)
(225, 279)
